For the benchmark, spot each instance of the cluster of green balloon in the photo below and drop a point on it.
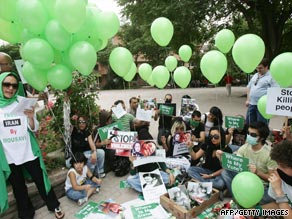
(58, 36)
(248, 51)
(185, 53)
(162, 31)
(213, 66)
(262, 107)
(224, 40)
(182, 76)
(122, 63)
(281, 69)
(247, 189)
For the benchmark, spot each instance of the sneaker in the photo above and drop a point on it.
(97, 189)
(82, 201)
(101, 175)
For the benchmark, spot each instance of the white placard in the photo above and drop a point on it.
(152, 186)
(19, 64)
(119, 110)
(143, 115)
(180, 148)
(279, 101)
(159, 157)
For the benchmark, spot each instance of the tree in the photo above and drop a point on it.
(196, 22)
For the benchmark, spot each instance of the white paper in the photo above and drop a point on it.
(119, 110)
(152, 186)
(24, 103)
(143, 115)
(39, 106)
(19, 64)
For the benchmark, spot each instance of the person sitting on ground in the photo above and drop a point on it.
(134, 179)
(178, 128)
(258, 152)
(80, 183)
(213, 118)
(280, 187)
(82, 141)
(237, 136)
(211, 170)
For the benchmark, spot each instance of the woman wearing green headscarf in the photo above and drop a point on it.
(18, 150)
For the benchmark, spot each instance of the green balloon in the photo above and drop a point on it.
(161, 31)
(10, 32)
(71, 14)
(182, 76)
(38, 52)
(170, 63)
(62, 57)
(248, 51)
(83, 57)
(8, 10)
(262, 107)
(57, 36)
(224, 40)
(59, 77)
(50, 7)
(32, 15)
(150, 81)
(145, 71)
(131, 74)
(160, 75)
(213, 66)
(121, 61)
(185, 53)
(247, 189)
(35, 77)
(107, 24)
(281, 69)
(97, 43)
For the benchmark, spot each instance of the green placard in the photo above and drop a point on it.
(234, 163)
(124, 184)
(143, 211)
(234, 122)
(102, 131)
(90, 207)
(166, 110)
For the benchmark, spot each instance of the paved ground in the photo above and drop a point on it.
(206, 98)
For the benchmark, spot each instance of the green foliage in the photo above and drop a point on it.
(82, 95)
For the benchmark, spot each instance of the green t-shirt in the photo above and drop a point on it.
(260, 158)
(126, 121)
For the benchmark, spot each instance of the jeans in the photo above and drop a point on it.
(195, 172)
(97, 167)
(134, 180)
(254, 115)
(75, 195)
(228, 176)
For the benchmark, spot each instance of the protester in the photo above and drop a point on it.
(213, 118)
(5, 62)
(258, 152)
(80, 183)
(25, 153)
(165, 121)
(82, 141)
(211, 169)
(280, 187)
(256, 88)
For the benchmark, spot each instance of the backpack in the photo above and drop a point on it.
(121, 166)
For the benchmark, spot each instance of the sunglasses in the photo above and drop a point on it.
(214, 136)
(81, 122)
(252, 134)
(7, 84)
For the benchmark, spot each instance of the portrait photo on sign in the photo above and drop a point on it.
(143, 148)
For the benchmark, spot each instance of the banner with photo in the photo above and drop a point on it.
(180, 141)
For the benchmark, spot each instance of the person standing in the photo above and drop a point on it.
(19, 149)
(228, 82)
(256, 88)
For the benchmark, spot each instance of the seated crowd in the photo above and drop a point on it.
(208, 140)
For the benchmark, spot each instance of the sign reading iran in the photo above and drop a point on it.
(279, 101)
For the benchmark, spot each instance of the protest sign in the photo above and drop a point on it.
(279, 101)
(103, 131)
(234, 122)
(168, 109)
(234, 163)
(121, 140)
(118, 110)
(143, 115)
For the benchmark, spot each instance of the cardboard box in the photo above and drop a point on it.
(182, 213)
